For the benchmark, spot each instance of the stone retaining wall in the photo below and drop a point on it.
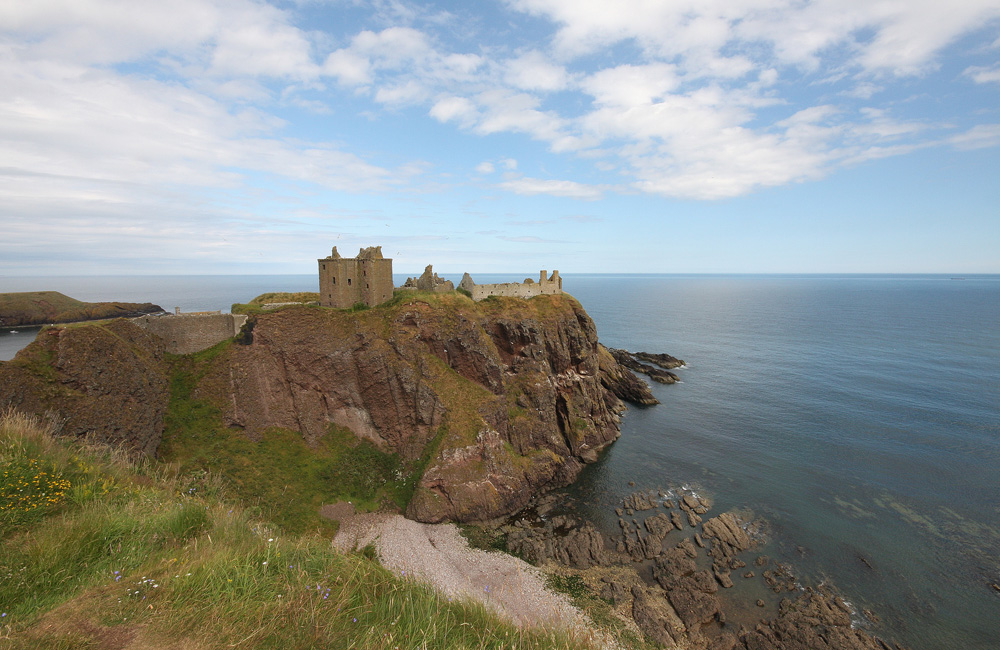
(187, 333)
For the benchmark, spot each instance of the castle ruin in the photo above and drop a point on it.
(367, 279)
(345, 282)
(545, 286)
(429, 281)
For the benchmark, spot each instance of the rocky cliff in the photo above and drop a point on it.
(489, 403)
(502, 399)
(103, 382)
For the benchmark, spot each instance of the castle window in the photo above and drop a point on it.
(335, 279)
(324, 267)
(348, 282)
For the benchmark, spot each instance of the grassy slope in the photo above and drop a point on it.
(98, 553)
(40, 307)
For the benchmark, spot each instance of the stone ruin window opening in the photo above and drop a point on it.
(348, 282)
(335, 279)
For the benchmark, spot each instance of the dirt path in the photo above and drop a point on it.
(439, 555)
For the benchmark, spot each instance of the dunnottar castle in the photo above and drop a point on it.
(367, 278)
(343, 283)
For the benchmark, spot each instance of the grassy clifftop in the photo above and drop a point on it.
(97, 552)
(41, 307)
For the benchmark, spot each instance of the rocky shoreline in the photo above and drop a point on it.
(672, 568)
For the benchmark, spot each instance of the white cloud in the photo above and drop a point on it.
(980, 136)
(534, 71)
(485, 168)
(447, 109)
(983, 74)
(562, 188)
(349, 67)
(905, 36)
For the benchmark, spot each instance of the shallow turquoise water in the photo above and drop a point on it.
(859, 414)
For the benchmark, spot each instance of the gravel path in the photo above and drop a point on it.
(439, 555)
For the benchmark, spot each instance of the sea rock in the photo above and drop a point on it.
(728, 535)
(726, 641)
(674, 564)
(640, 501)
(563, 540)
(664, 361)
(722, 575)
(628, 360)
(780, 578)
(694, 599)
(622, 382)
(656, 617)
(815, 619)
(659, 525)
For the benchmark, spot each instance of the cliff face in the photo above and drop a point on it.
(488, 402)
(108, 382)
(502, 399)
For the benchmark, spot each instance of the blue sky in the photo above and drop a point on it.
(673, 136)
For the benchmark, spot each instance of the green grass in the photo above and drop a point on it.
(279, 297)
(280, 476)
(133, 555)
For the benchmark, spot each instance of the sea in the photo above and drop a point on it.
(857, 415)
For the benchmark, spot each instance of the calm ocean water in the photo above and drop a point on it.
(859, 415)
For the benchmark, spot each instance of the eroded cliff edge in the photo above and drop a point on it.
(489, 403)
(502, 398)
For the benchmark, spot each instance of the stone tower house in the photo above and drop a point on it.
(344, 282)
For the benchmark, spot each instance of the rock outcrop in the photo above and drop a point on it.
(494, 401)
(659, 374)
(506, 398)
(562, 540)
(105, 382)
(622, 382)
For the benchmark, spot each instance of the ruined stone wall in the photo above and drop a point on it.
(344, 282)
(526, 289)
(187, 333)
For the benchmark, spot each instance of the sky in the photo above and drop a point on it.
(645, 136)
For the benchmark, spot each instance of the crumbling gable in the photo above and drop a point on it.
(429, 281)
